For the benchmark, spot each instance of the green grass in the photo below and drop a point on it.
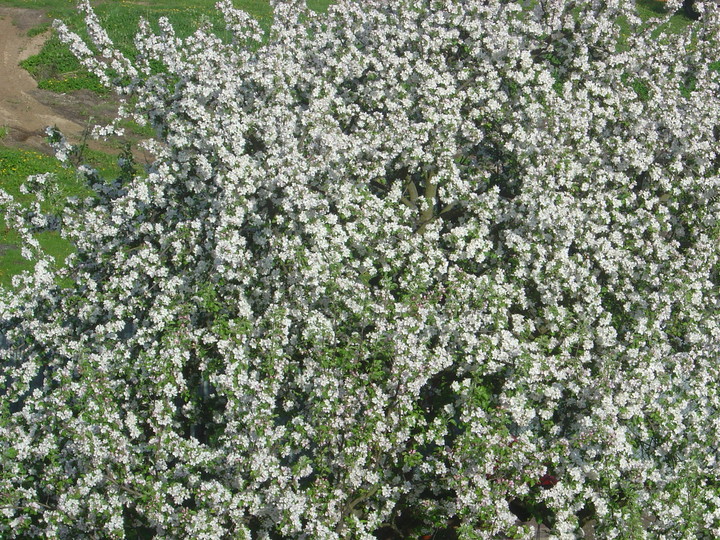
(15, 166)
(38, 30)
(56, 69)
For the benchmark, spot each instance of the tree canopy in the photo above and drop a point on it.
(398, 263)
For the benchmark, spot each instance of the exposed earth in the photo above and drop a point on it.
(25, 110)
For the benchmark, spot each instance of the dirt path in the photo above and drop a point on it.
(21, 113)
(25, 110)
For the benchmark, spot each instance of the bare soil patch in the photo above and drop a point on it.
(25, 110)
(24, 19)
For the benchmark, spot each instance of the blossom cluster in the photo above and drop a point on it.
(423, 258)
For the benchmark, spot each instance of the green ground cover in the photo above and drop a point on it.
(56, 69)
(15, 166)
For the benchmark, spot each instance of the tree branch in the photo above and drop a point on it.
(427, 215)
(411, 188)
(352, 504)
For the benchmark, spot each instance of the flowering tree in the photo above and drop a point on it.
(399, 263)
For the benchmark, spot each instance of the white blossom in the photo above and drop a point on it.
(409, 257)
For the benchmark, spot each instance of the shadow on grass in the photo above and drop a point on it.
(655, 6)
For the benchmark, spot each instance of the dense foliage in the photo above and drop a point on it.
(404, 262)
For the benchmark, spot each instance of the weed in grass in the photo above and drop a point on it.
(38, 30)
(72, 82)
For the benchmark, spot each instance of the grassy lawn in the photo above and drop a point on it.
(56, 69)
